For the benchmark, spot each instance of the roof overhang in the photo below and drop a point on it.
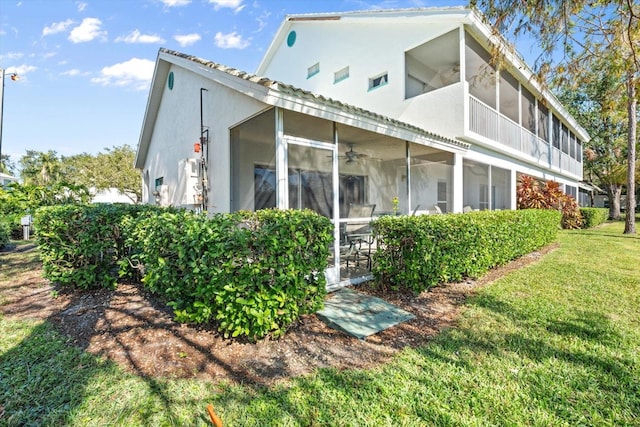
(278, 94)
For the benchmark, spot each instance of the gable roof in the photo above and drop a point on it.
(279, 94)
(474, 21)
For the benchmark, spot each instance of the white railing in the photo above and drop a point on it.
(486, 121)
(483, 119)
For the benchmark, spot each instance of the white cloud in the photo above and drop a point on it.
(231, 41)
(57, 27)
(21, 70)
(136, 73)
(175, 3)
(136, 37)
(81, 6)
(73, 72)
(88, 30)
(187, 39)
(236, 5)
(11, 56)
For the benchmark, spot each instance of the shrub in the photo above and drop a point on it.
(5, 233)
(417, 253)
(253, 273)
(531, 195)
(593, 216)
(80, 245)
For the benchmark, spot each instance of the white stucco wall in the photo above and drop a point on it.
(177, 128)
(367, 49)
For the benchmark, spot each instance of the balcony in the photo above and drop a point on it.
(487, 122)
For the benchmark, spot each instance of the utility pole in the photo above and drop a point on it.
(14, 77)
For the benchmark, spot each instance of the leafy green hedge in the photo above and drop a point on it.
(5, 233)
(419, 252)
(80, 245)
(593, 216)
(254, 273)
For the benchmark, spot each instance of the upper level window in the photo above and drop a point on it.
(313, 70)
(379, 80)
(340, 75)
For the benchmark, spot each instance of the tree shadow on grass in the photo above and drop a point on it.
(44, 377)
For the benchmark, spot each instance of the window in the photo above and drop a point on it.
(313, 70)
(340, 75)
(159, 182)
(378, 81)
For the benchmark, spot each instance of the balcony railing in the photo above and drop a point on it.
(487, 122)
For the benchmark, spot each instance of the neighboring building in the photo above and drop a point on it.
(111, 195)
(359, 108)
(6, 179)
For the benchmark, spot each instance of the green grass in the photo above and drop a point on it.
(554, 344)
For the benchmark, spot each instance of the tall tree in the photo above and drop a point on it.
(598, 102)
(573, 35)
(40, 168)
(6, 165)
(114, 169)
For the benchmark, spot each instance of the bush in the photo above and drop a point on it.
(593, 216)
(253, 273)
(417, 253)
(80, 245)
(532, 195)
(5, 233)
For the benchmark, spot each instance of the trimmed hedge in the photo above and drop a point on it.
(593, 216)
(80, 245)
(418, 252)
(254, 273)
(5, 233)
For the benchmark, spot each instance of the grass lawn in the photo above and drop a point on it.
(554, 344)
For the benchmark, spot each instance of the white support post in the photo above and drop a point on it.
(514, 185)
(282, 177)
(458, 183)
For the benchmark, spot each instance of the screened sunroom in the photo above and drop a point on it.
(286, 159)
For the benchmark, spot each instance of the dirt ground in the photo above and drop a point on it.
(135, 329)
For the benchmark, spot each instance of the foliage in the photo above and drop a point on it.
(5, 232)
(597, 101)
(418, 252)
(6, 165)
(593, 216)
(39, 168)
(531, 195)
(81, 245)
(573, 315)
(253, 273)
(579, 35)
(112, 169)
(18, 200)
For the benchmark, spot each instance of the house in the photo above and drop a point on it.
(400, 109)
(6, 179)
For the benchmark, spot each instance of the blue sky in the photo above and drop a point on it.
(85, 66)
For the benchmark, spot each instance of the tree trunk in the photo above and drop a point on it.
(613, 193)
(630, 220)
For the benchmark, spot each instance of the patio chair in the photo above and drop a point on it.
(357, 238)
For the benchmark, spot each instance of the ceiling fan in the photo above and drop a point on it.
(352, 155)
